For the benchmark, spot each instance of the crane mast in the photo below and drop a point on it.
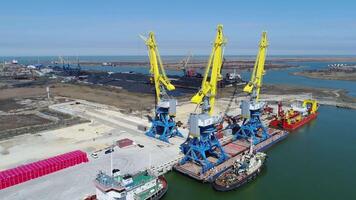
(207, 93)
(251, 109)
(254, 86)
(159, 77)
(163, 124)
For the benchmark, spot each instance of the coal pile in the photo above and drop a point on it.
(137, 82)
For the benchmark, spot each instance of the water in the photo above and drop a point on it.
(315, 162)
(285, 77)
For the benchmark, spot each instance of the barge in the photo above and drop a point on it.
(234, 149)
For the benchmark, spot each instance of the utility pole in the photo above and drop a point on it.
(111, 165)
(111, 158)
(48, 94)
(149, 161)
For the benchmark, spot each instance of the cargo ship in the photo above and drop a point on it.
(140, 186)
(298, 115)
(245, 169)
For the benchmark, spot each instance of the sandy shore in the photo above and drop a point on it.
(328, 75)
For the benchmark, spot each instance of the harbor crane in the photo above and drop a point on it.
(252, 126)
(202, 141)
(163, 124)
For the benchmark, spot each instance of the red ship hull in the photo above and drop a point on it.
(282, 123)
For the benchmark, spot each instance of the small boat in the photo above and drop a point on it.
(243, 170)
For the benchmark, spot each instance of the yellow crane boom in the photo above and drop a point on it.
(209, 87)
(254, 85)
(159, 77)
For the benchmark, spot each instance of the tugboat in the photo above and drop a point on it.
(140, 186)
(244, 170)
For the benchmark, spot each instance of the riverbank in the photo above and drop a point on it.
(328, 75)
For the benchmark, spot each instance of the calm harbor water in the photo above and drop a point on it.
(315, 162)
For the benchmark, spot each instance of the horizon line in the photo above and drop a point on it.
(184, 55)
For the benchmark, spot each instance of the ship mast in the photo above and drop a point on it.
(251, 145)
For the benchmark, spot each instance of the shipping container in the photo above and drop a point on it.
(124, 143)
(33, 170)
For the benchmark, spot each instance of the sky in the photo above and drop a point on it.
(112, 27)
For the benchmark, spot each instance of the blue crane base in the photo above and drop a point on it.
(197, 149)
(163, 127)
(251, 127)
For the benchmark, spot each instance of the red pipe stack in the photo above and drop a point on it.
(33, 170)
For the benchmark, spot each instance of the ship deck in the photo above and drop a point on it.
(234, 149)
(281, 124)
